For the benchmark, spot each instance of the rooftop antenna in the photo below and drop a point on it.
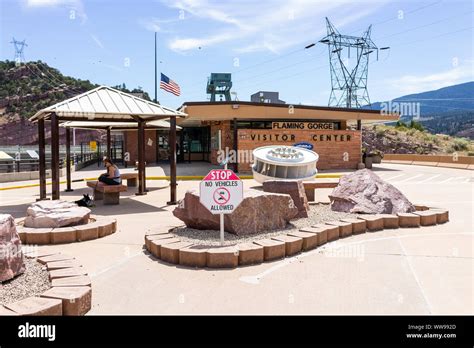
(349, 85)
(19, 47)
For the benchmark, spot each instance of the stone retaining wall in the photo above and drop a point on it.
(165, 246)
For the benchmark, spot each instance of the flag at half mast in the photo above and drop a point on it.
(169, 85)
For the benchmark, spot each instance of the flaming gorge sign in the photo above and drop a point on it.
(303, 125)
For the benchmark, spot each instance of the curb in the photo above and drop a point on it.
(101, 226)
(70, 293)
(167, 247)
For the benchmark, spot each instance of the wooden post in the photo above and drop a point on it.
(144, 157)
(359, 128)
(109, 144)
(141, 158)
(172, 144)
(68, 159)
(236, 164)
(42, 159)
(55, 156)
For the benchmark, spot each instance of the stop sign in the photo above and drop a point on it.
(221, 191)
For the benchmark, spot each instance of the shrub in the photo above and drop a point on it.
(400, 124)
(460, 144)
(416, 125)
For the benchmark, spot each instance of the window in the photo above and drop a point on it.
(196, 139)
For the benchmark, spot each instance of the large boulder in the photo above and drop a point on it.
(365, 192)
(293, 188)
(56, 213)
(258, 212)
(11, 256)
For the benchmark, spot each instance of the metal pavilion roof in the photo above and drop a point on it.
(156, 124)
(106, 104)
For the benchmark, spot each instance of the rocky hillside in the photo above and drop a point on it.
(448, 110)
(28, 88)
(405, 139)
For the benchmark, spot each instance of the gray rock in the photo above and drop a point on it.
(11, 256)
(258, 212)
(56, 213)
(365, 192)
(293, 188)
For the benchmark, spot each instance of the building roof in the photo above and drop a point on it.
(220, 111)
(107, 104)
(157, 124)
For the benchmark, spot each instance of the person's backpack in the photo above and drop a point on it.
(85, 201)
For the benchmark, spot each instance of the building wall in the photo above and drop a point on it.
(227, 135)
(131, 145)
(339, 149)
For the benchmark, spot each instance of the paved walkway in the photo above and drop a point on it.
(404, 271)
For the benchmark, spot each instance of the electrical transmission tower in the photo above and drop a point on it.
(349, 83)
(19, 47)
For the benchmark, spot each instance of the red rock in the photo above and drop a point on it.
(364, 192)
(258, 212)
(55, 213)
(293, 188)
(11, 256)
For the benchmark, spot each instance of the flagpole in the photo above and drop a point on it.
(156, 97)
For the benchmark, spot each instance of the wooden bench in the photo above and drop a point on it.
(311, 185)
(110, 194)
(132, 179)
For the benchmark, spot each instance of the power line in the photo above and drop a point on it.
(427, 25)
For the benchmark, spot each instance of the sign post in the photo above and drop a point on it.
(221, 191)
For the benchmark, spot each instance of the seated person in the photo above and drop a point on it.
(112, 177)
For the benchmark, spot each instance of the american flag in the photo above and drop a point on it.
(169, 85)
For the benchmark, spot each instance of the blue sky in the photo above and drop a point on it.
(260, 42)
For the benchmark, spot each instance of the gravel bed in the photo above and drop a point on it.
(317, 214)
(34, 281)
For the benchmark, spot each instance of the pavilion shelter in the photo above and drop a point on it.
(103, 105)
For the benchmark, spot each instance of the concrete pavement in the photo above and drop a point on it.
(404, 271)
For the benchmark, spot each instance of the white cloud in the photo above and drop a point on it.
(76, 6)
(97, 41)
(409, 84)
(193, 43)
(156, 25)
(272, 25)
